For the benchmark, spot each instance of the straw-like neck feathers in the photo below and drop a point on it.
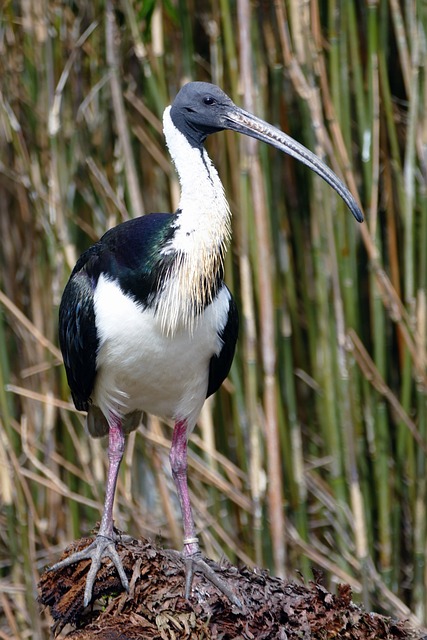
(201, 236)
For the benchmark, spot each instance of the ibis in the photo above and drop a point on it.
(146, 322)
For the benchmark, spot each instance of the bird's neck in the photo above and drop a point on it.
(203, 216)
(202, 230)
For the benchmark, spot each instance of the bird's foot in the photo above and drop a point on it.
(194, 562)
(102, 546)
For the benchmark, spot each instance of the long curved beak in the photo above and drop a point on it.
(239, 120)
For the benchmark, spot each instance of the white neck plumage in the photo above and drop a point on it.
(202, 233)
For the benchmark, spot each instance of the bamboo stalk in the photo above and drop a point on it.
(136, 204)
(274, 488)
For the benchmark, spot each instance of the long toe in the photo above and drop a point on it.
(197, 563)
(101, 547)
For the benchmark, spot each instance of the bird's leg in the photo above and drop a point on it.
(116, 447)
(192, 556)
(178, 461)
(105, 541)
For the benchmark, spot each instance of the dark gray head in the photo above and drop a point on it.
(201, 109)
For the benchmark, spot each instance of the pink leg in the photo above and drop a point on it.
(105, 541)
(178, 461)
(192, 556)
(116, 447)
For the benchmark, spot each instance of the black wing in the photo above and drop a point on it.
(219, 365)
(77, 333)
(126, 253)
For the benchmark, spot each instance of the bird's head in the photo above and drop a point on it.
(201, 109)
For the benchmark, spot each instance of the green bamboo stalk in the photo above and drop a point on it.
(419, 240)
(325, 364)
(406, 447)
(381, 428)
(188, 51)
(8, 439)
(230, 46)
(420, 515)
(251, 376)
(359, 92)
(294, 459)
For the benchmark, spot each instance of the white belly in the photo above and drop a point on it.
(140, 367)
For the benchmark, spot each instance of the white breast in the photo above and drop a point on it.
(139, 366)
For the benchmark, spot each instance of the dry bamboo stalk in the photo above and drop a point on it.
(274, 488)
(135, 198)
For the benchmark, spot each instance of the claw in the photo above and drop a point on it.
(101, 547)
(195, 562)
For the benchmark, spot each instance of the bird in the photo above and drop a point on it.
(146, 322)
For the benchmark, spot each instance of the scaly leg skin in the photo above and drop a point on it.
(105, 541)
(192, 555)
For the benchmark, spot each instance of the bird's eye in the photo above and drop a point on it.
(209, 100)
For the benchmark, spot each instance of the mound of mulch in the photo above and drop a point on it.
(156, 609)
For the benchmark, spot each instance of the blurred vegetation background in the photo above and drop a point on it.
(313, 454)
